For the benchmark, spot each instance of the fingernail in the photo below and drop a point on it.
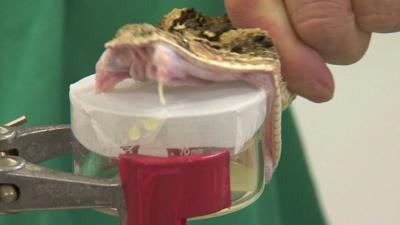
(312, 90)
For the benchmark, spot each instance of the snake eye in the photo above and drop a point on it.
(237, 49)
(259, 38)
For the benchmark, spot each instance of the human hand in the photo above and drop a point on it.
(310, 33)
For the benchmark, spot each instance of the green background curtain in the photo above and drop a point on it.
(45, 45)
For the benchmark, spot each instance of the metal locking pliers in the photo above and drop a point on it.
(27, 186)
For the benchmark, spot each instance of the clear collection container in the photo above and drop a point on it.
(247, 173)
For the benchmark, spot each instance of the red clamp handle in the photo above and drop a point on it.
(167, 191)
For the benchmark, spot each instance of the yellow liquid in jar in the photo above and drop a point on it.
(247, 176)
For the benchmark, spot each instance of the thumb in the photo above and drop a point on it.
(303, 68)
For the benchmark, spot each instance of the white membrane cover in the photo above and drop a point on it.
(222, 115)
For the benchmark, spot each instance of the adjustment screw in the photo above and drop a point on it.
(8, 193)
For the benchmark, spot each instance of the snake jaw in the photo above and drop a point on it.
(186, 49)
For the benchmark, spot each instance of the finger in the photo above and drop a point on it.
(330, 28)
(378, 15)
(303, 69)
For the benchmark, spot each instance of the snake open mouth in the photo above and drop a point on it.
(187, 48)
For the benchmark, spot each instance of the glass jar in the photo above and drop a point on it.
(247, 172)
